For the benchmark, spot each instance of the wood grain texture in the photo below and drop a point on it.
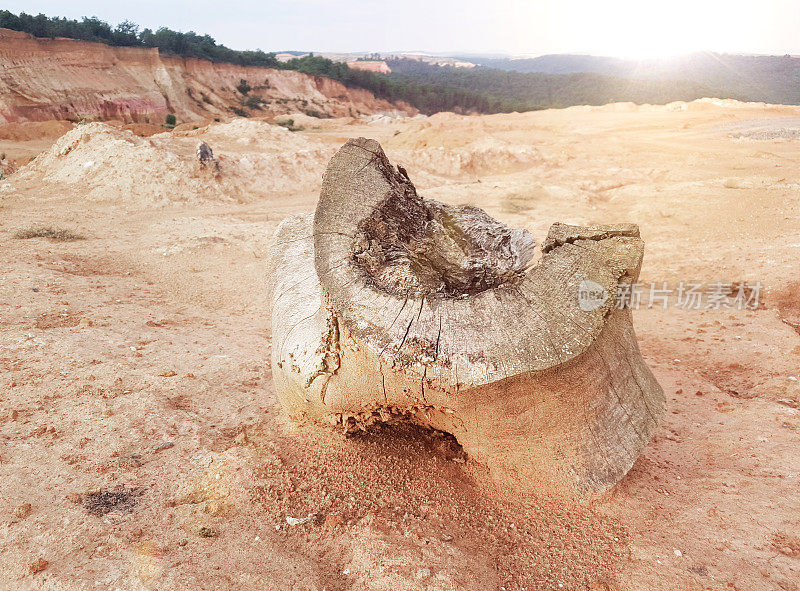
(550, 396)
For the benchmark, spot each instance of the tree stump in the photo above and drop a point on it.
(391, 307)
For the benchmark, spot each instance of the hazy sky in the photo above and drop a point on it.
(629, 28)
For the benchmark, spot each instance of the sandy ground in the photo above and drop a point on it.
(141, 446)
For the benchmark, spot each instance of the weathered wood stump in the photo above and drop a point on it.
(391, 307)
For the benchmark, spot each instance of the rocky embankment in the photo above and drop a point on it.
(46, 79)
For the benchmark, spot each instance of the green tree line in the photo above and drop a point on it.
(427, 87)
(428, 97)
(128, 34)
(528, 90)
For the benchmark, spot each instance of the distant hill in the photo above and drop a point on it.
(432, 84)
(556, 64)
(773, 79)
(527, 91)
(530, 90)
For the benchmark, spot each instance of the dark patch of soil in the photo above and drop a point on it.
(121, 499)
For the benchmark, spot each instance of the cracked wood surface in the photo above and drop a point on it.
(547, 395)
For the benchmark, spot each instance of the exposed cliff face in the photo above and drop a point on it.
(43, 79)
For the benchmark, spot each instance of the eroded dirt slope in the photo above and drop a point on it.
(56, 79)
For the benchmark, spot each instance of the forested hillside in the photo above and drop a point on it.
(526, 91)
(496, 85)
(768, 78)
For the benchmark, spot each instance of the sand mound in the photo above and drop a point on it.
(384, 117)
(484, 156)
(465, 157)
(445, 145)
(301, 120)
(258, 158)
(250, 132)
(102, 163)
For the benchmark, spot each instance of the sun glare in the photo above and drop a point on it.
(641, 30)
